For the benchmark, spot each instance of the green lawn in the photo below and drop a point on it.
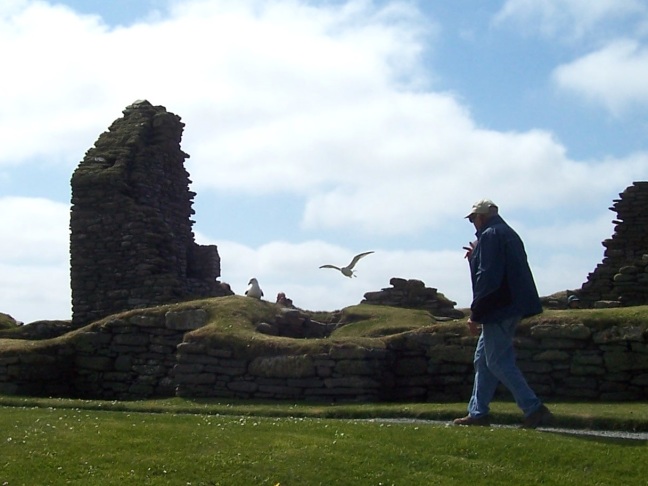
(185, 442)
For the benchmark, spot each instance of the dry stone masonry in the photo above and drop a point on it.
(131, 242)
(160, 352)
(622, 278)
(413, 294)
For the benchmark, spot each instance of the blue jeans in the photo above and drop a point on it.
(494, 363)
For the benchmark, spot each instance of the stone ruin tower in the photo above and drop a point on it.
(622, 277)
(131, 241)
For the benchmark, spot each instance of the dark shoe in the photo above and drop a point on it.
(542, 416)
(483, 421)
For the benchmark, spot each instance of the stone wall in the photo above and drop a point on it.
(121, 357)
(156, 354)
(622, 277)
(428, 365)
(131, 242)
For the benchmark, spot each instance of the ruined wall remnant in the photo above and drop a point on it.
(413, 294)
(622, 277)
(131, 241)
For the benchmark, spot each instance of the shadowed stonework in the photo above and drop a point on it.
(621, 279)
(131, 241)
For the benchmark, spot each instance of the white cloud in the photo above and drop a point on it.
(325, 102)
(36, 292)
(329, 103)
(578, 236)
(571, 18)
(561, 256)
(34, 264)
(35, 230)
(613, 76)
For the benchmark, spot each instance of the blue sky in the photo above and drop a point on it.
(320, 129)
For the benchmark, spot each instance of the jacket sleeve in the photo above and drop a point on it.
(490, 285)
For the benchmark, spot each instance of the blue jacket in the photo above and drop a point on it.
(502, 282)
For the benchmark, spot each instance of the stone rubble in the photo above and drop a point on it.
(413, 294)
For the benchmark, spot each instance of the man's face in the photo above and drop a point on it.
(477, 220)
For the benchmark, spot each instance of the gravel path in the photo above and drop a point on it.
(604, 434)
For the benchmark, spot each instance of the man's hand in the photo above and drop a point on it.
(469, 249)
(474, 327)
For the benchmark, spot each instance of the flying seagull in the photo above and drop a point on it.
(254, 290)
(348, 270)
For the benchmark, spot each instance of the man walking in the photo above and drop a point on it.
(503, 293)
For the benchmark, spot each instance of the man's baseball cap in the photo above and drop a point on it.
(482, 207)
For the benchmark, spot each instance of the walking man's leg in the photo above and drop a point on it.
(501, 361)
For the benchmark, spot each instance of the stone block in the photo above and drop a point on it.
(305, 382)
(413, 381)
(194, 378)
(587, 358)
(551, 355)
(219, 353)
(583, 370)
(299, 366)
(581, 382)
(226, 369)
(447, 380)
(358, 367)
(615, 361)
(150, 370)
(123, 363)
(356, 352)
(146, 321)
(617, 334)
(88, 342)
(557, 331)
(535, 366)
(640, 380)
(354, 382)
(410, 366)
(199, 359)
(95, 363)
(191, 348)
(558, 343)
(181, 369)
(33, 359)
(186, 320)
(131, 339)
(451, 354)
(243, 386)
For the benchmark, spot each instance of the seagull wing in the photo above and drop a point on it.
(358, 257)
(331, 266)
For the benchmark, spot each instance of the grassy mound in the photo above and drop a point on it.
(7, 322)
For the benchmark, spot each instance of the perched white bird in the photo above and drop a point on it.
(253, 289)
(348, 270)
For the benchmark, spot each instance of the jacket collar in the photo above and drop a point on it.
(497, 219)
